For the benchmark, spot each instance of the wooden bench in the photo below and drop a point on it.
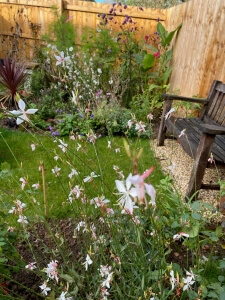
(202, 137)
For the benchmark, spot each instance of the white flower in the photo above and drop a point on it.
(126, 193)
(130, 123)
(80, 225)
(31, 266)
(45, 289)
(109, 144)
(150, 116)
(22, 219)
(78, 146)
(12, 210)
(87, 262)
(140, 127)
(74, 98)
(62, 297)
(90, 177)
(105, 270)
(179, 235)
(24, 182)
(73, 173)
(172, 279)
(62, 146)
(167, 115)
(99, 71)
(56, 171)
(188, 281)
(33, 147)
(117, 150)
(61, 59)
(110, 81)
(99, 201)
(22, 113)
(36, 185)
(107, 281)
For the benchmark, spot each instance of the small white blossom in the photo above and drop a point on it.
(45, 289)
(87, 262)
(167, 115)
(31, 266)
(91, 177)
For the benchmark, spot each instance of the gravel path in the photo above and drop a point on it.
(176, 162)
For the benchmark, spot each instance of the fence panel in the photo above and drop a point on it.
(86, 15)
(22, 23)
(199, 55)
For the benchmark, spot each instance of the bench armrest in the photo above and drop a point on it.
(213, 129)
(175, 97)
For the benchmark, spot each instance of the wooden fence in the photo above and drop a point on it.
(199, 55)
(23, 22)
(199, 50)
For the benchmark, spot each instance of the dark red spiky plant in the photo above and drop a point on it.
(12, 76)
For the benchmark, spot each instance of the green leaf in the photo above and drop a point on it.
(171, 35)
(194, 230)
(192, 295)
(219, 231)
(148, 61)
(162, 33)
(5, 167)
(167, 74)
(221, 278)
(196, 216)
(67, 277)
(222, 296)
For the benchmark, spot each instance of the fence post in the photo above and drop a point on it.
(60, 7)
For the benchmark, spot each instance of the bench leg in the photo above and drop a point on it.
(162, 128)
(200, 163)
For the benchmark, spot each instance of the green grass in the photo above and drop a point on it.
(16, 151)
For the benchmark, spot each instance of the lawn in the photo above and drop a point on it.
(96, 157)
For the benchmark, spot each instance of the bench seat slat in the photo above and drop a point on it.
(193, 132)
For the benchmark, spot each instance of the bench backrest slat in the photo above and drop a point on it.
(216, 107)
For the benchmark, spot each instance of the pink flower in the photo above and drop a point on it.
(211, 159)
(150, 116)
(52, 271)
(11, 229)
(142, 187)
(36, 186)
(157, 54)
(24, 182)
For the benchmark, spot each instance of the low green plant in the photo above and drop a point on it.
(61, 32)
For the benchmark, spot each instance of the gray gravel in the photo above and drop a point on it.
(178, 164)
